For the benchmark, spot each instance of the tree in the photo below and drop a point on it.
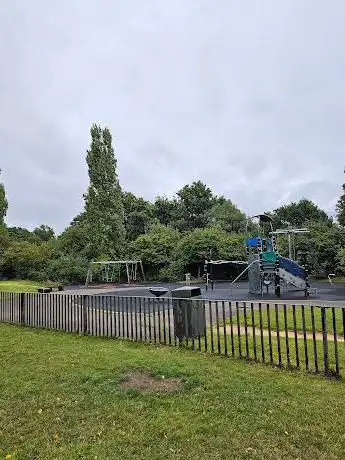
(208, 243)
(165, 211)
(194, 201)
(104, 217)
(44, 233)
(22, 259)
(4, 240)
(138, 215)
(341, 208)
(73, 241)
(320, 246)
(225, 215)
(21, 234)
(341, 261)
(299, 214)
(3, 203)
(79, 219)
(155, 248)
(66, 269)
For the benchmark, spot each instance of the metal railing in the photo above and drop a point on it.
(306, 337)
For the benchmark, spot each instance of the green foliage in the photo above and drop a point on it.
(341, 208)
(22, 259)
(324, 245)
(4, 238)
(194, 202)
(225, 215)
(138, 215)
(21, 234)
(73, 240)
(40, 234)
(341, 260)
(103, 202)
(44, 233)
(66, 269)
(298, 214)
(208, 243)
(155, 248)
(174, 271)
(321, 245)
(165, 211)
(3, 203)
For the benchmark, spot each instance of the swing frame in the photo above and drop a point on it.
(106, 266)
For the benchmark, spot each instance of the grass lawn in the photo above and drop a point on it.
(60, 399)
(23, 285)
(270, 315)
(19, 286)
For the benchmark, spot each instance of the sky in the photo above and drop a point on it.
(247, 96)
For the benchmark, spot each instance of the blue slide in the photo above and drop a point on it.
(292, 273)
(292, 267)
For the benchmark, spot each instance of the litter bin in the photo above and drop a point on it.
(189, 316)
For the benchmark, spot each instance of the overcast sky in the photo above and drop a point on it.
(248, 96)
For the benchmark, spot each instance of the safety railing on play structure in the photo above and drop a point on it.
(307, 337)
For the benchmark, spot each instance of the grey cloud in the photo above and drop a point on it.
(246, 96)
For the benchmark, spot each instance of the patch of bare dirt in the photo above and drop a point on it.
(145, 383)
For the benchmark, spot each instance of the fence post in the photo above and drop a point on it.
(84, 314)
(22, 308)
(324, 340)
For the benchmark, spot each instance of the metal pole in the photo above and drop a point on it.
(127, 270)
(88, 276)
(142, 270)
(244, 271)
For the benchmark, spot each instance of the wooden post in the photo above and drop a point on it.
(84, 313)
(22, 308)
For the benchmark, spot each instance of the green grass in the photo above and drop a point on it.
(22, 285)
(303, 355)
(271, 315)
(59, 399)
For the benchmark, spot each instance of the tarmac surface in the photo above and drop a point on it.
(322, 292)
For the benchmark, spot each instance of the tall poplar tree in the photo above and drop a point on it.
(104, 217)
(341, 207)
(3, 203)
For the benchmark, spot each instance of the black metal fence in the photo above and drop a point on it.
(306, 337)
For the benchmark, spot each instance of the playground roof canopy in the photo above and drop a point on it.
(100, 262)
(219, 262)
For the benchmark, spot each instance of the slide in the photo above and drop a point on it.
(292, 273)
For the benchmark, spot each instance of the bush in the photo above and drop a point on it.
(170, 273)
(155, 249)
(201, 244)
(22, 257)
(66, 269)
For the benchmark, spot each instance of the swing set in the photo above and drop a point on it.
(110, 271)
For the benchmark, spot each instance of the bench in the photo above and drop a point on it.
(48, 290)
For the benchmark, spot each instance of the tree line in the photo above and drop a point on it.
(172, 236)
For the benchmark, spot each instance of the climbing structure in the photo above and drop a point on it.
(267, 268)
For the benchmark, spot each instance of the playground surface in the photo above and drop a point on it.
(323, 292)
